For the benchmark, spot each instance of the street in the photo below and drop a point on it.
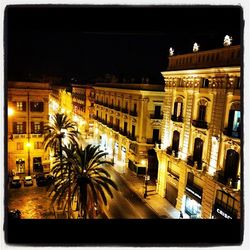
(34, 202)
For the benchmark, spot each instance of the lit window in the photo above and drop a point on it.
(19, 146)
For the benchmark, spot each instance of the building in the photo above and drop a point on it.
(27, 113)
(128, 121)
(200, 151)
(83, 98)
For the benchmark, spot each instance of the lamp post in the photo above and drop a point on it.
(28, 144)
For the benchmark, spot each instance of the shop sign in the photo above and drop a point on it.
(222, 213)
(194, 193)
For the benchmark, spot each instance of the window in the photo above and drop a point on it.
(38, 145)
(202, 110)
(125, 127)
(36, 106)
(234, 120)
(36, 127)
(157, 111)
(97, 113)
(155, 135)
(111, 120)
(19, 127)
(197, 154)
(178, 109)
(133, 130)
(135, 107)
(19, 146)
(20, 166)
(175, 141)
(21, 106)
(205, 83)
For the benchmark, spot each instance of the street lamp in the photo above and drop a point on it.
(28, 145)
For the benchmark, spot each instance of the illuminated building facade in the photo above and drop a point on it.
(128, 121)
(83, 98)
(27, 113)
(200, 151)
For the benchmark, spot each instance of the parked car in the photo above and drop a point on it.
(28, 180)
(41, 180)
(14, 214)
(16, 182)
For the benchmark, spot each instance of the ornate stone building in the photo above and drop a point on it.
(200, 152)
(128, 123)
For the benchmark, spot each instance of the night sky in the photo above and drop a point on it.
(86, 42)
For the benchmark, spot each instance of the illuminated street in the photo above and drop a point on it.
(34, 203)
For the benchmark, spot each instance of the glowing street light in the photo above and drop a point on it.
(10, 111)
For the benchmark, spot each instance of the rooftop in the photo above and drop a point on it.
(227, 56)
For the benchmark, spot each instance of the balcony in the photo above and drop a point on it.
(219, 176)
(117, 108)
(123, 132)
(231, 133)
(200, 124)
(131, 137)
(175, 118)
(154, 116)
(191, 162)
(125, 111)
(169, 151)
(133, 113)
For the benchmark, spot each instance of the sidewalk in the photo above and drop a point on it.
(157, 203)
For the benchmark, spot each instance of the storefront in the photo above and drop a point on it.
(224, 206)
(221, 213)
(172, 189)
(193, 201)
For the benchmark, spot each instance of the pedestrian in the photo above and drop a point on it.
(181, 215)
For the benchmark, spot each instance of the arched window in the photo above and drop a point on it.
(200, 122)
(234, 120)
(231, 166)
(197, 153)
(175, 141)
(178, 110)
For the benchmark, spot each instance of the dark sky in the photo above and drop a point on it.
(90, 41)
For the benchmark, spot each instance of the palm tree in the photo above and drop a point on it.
(88, 179)
(61, 129)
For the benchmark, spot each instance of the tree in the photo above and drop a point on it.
(88, 179)
(58, 132)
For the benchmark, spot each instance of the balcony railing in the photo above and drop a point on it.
(133, 113)
(117, 108)
(191, 162)
(231, 133)
(131, 137)
(219, 176)
(172, 152)
(176, 118)
(159, 117)
(200, 124)
(125, 111)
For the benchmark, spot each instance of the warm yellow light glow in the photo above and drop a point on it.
(28, 144)
(214, 155)
(143, 162)
(96, 130)
(10, 111)
(63, 110)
